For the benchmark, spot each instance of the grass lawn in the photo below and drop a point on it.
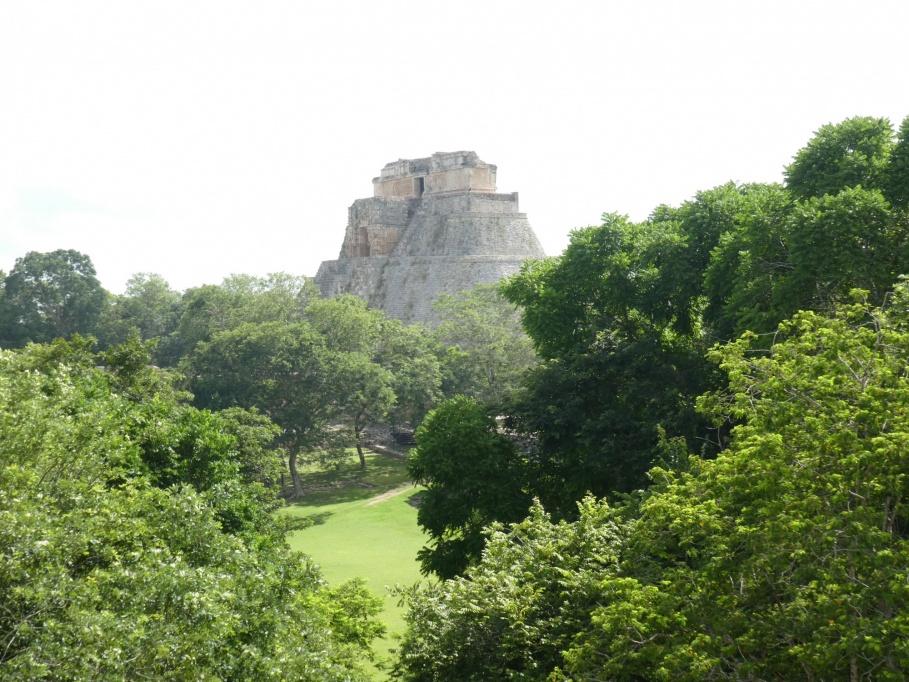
(355, 535)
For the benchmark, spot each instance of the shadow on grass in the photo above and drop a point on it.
(348, 483)
(319, 518)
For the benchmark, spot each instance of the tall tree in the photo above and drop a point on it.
(240, 299)
(514, 613)
(51, 295)
(411, 354)
(618, 362)
(397, 365)
(680, 250)
(487, 351)
(473, 476)
(323, 379)
(284, 370)
(150, 305)
(783, 558)
(853, 153)
(897, 185)
(839, 242)
(741, 279)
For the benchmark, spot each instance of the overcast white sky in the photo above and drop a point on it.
(197, 139)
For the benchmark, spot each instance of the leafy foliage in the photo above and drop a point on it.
(837, 243)
(472, 476)
(240, 299)
(897, 187)
(487, 352)
(150, 308)
(341, 365)
(851, 154)
(621, 362)
(281, 369)
(784, 554)
(782, 558)
(741, 280)
(50, 295)
(515, 612)
(120, 553)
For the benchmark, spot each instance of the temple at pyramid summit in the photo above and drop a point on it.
(433, 225)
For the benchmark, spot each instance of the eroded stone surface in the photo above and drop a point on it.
(434, 225)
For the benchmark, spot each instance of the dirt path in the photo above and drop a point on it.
(391, 493)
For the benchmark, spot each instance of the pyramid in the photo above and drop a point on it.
(433, 225)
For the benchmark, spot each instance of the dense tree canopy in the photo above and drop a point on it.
(694, 514)
(514, 614)
(152, 309)
(853, 153)
(623, 318)
(472, 476)
(487, 352)
(238, 300)
(133, 545)
(281, 369)
(340, 365)
(897, 186)
(50, 295)
(783, 558)
(777, 549)
(620, 361)
(786, 552)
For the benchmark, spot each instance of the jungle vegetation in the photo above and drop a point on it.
(677, 451)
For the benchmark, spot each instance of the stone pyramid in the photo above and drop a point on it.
(434, 225)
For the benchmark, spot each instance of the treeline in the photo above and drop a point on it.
(142, 439)
(322, 370)
(713, 447)
(692, 466)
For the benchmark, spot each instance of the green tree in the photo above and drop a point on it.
(346, 323)
(784, 556)
(387, 371)
(897, 185)
(617, 363)
(238, 300)
(514, 614)
(742, 275)
(323, 379)
(839, 242)
(150, 305)
(51, 295)
(853, 153)
(473, 476)
(365, 394)
(283, 370)
(678, 250)
(487, 351)
(411, 354)
(152, 308)
(108, 572)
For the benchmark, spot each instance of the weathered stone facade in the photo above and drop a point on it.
(434, 225)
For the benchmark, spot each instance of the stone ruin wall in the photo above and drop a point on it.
(434, 225)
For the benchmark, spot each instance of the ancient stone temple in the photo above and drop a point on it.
(433, 225)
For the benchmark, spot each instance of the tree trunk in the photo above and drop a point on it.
(357, 431)
(295, 477)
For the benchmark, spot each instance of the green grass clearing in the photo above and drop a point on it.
(355, 536)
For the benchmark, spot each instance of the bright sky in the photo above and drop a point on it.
(198, 139)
